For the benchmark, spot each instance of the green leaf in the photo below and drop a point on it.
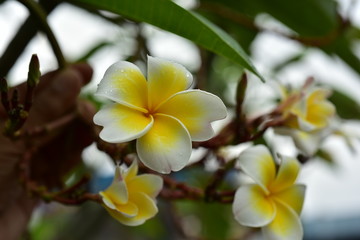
(169, 16)
(243, 33)
(327, 157)
(346, 107)
(215, 219)
(308, 18)
(342, 47)
(292, 59)
(93, 50)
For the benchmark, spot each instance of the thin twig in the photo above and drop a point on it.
(64, 196)
(4, 94)
(50, 127)
(40, 15)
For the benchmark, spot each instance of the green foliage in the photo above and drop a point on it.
(292, 59)
(173, 18)
(342, 47)
(346, 107)
(215, 219)
(224, 73)
(34, 71)
(152, 229)
(326, 157)
(300, 16)
(93, 50)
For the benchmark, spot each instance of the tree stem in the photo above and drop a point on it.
(40, 16)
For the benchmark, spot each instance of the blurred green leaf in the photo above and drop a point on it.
(94, 49)
(223, 73)
(342, 47)
(326, 157)
(241, 27)
(308, 18)
(288, 61)
(89, 96)
(152, 229)
(215, 219)
(353, 33)
(169, 16)
(346, 107)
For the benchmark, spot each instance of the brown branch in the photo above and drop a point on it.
(4, 94)
(174, 190)
(18, 112)
(211, 192)
(50, 127)
(68, 196)
(225, 137)
(117, 151)
(180, 190)
(82, 181)
(214, 183)
(77, 200)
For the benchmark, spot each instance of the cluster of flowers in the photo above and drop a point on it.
(165, 116)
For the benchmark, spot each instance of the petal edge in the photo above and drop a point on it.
(124, 83)
(196, 109)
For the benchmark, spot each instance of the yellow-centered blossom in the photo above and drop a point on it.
(308, 110)
(160, 113)
(130, 199)
(273, 202)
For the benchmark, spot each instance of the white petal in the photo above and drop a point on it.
(124, 83)
(121, 123)
(147, 208)
(293, 197)
(251, 207)
(196, 109)
(165, 78)
(131, 172)
(305, 125)
(285, 226)
(149, 184)
(286, 175)
(166, 147)
(258, 163)
(306, 142)
(117, 192)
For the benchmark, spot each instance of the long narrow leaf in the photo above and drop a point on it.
(167, 15)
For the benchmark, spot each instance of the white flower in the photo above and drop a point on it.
(273, 202)
(160, 113)
(310, 110)
(130, 199)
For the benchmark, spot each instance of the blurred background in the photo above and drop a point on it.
(287, 43)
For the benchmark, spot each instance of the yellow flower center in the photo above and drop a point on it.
(149, 112)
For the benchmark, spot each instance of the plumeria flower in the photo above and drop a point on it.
(273, 202)
(309, 109)
(130, 199)
(160, 113)
(307, 142)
